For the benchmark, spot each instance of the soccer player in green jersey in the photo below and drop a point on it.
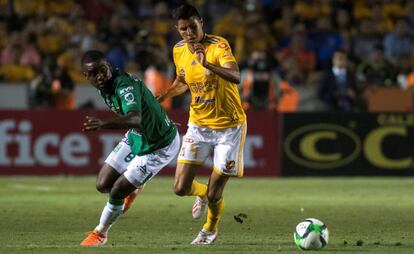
(152, 140)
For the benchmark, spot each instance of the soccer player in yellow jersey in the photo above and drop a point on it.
(205, 65)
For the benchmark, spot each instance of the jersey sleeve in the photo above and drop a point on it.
(177, 73)
(130, 97)
(223, 52)
(177, 51)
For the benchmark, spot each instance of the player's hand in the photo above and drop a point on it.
(160, 98)
(92, 124)
(200, 53)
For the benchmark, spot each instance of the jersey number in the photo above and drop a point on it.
(129, 157)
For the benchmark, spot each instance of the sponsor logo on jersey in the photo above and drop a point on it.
(126, 90)
(230, 164)
(223, 46)
(229, 168)
(227, 56)
(200, 100)
(189, 140)
(143, 169)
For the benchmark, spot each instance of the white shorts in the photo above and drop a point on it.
(226, 144)
(139, 169)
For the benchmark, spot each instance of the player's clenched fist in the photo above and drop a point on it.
(92, 124)
(200, 52)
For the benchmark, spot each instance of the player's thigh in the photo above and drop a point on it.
(144, 168)
(196, 146)
(228, 152)
(216, 185)
(120, 157)
(115, 165)
(106, 178)
(195, 149)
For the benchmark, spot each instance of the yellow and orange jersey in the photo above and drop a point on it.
(215, 102)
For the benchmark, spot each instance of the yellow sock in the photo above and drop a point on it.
(215, 210)
(198, 189)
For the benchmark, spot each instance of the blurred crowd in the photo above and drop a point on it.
(336, 48)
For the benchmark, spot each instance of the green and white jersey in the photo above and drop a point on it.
(131, 94)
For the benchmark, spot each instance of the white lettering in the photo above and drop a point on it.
(72, 145)
(125, 90)
(252, 142)
(5, 139)
(24, 157)
(40, 149)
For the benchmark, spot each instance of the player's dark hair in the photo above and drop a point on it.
(185, 11)
(92, 56)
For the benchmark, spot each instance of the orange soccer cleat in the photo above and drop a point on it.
(131, 197)
(94, 238)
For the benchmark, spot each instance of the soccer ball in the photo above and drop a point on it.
(311, 234)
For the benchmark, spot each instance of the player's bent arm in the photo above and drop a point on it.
(129, 121)
(229, 71)
(178, 87)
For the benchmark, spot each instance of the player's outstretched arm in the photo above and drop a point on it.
(129, 121)
(178, 87)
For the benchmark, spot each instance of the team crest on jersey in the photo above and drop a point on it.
(129, 97)
(193, 62)
(229, 168)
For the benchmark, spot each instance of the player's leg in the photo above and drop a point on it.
(139, 171)
(215, 200)
(184, 182)
(114, 206)
(209, 232)
(228, 161)
(115, 165)
(186, 185)
(193, 153)
(119, 159)
(106, 178)
(131, 197)
(105, 182)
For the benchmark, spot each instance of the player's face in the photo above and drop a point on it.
(98, 73)
(191, 30)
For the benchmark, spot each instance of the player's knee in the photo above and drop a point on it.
(102, 187)
(180, 189)
(117, 192)
(213, 197)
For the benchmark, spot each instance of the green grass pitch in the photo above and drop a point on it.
(364, 215)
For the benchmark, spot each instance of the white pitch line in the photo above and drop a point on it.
(32, 187)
